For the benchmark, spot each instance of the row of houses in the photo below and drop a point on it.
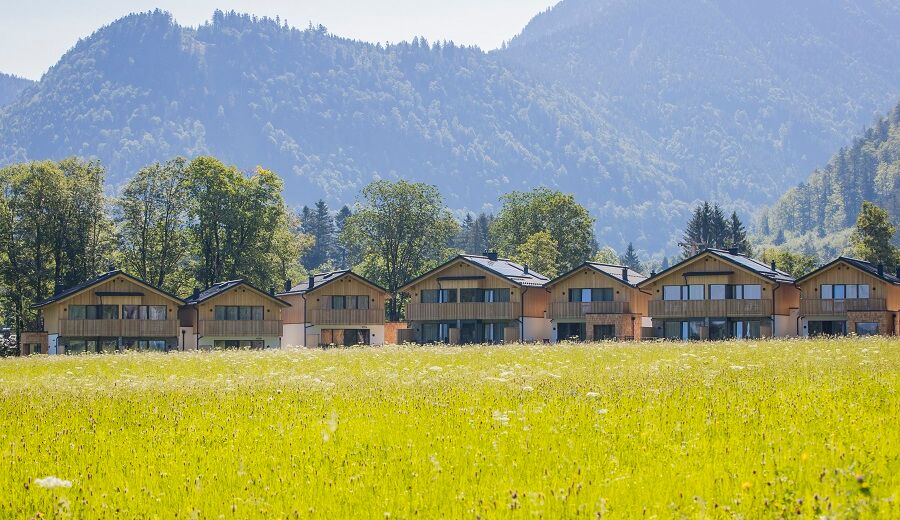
(716, 294)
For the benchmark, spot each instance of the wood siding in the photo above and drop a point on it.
(576, 310)
(319, 301)
(240, 328)
(840, 307)
(237, 296)
(626, 299)
(842, 273)
(711, 308)
(462, 311)
(56, 315)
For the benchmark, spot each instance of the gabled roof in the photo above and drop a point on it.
(510, 271)
(611, 270)
(739, 260)
(322, 279)
(223, 287)
(71, 291)
(862, 265)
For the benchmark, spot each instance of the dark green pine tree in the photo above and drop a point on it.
(482, 238)
(320, 224)
(692, 239)
(342, 255)
(631, 260)
(465, 238)
(718, 232)
(737, 235)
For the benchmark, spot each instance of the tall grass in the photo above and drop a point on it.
(744, 429)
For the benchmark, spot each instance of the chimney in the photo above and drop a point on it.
(57, 288)
(652, 274)
(525, 268)
(774, 266)
(625, 274)
(196, 293)
(110, 268)
(733, 250)
(272, 291)
(881, 270)
(312, 282)
(287, 285)
(492, 256)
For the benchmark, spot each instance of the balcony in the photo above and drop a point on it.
(346, 316)
(254, 328)
(710, 308)
(575, 310)
(809, 307)
(119, 328)
(462, 311)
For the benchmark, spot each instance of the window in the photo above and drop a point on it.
(603, 294)
(752, 292)
(844, 291)
(684, 292)
(745, 329)
(604, 332)
(826, 328)
(493, 332)
(696, 292)
(439, 296)
(867, 328)
(672, 292)
(144, 312)
(571, 332)
(672, 330)
(717, 292)
(483, 295)
(436, 332)
(735, 292)
(93, 312)
(338, 302)
(238, 313)
(718, 329)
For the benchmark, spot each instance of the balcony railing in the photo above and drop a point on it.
(570, 310)
(810, 307)
(462, 311)
(346, 316)
(240, 328)
(119, 328)
(710, 308)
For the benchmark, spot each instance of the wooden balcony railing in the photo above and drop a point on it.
(570, 310)
(240, 328)
(809, 307)
(119, 328)
(710, 308)
(346, 316)
(462, 311)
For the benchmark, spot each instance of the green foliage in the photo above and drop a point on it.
(871, 241)
(475, 236)
(606, 255)
(795, 264)
(320, 225)
(401, 230)
(539, 252)
(745, 429)
(11, 87)
(568, 223)
(708, 228)
(630, 259)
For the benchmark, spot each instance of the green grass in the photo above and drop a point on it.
(717, 430)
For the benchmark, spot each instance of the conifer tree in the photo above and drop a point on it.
(871, 241)
(737, 236)
(631, 260)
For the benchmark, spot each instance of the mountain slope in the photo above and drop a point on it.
(10, 87)
(745, 96)
(818, 215)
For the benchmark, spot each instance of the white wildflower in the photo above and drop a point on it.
(53, 482)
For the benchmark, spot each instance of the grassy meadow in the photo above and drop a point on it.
(653, 430)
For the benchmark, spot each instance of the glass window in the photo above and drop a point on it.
(258, 313)
(77, 312)
(852, 292)
(362, 302)
(752, 292)
(220, 312)
(471, 295)
(672, 292)
(604, 332)
(232, 313)
(827, 292)
(429, 296)
(840, 292)
(338, 302)
(696, 292)
(90, 312)
(130, 312)
(717, 292)
(694, 329)
(866, 328)
(448, 296)
(672, 330)
(863, 291)
(502, 295)
(244, 313)
(604, 294)
(718, 329)
(156, 312)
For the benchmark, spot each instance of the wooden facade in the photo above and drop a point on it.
(201, 316)
(315, 306)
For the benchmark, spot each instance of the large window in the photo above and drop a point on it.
(602, 294)
(844, 291)
(238, 313)
(867, 328)
(159, 345)
(436, 332)
(255, 344)
(439, 296)
(571, 332)
(827, 328)
(93, 312)
(349, 302)
(735, 292)
(483, 295)
(745, 329)
(691, 330)
(684, 292)
(144, 312)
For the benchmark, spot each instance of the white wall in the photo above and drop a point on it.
(786, 326)
(537, 329)
(292, 335)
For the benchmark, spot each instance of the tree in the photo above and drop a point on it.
(736, 236)
(707, 228)
(795, 264)
(152, 226)
(607, 255)
(539, 253)
(401, 229)
(342, 253)
(631, 260)
(474, 234)
(319, 223)
(525, 213)
(871, 241)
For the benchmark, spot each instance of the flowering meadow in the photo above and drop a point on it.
(807, 428)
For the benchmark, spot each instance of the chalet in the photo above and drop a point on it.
(478, 299)
(111, 312)
(719, 294)
(849, 296)
(598, 301)
(338, 308)
(232, 314)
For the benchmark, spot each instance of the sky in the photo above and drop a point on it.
(34, 34)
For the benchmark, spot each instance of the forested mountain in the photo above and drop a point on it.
(638, 108)
(10, 87)
(745, 97)
(817, 216)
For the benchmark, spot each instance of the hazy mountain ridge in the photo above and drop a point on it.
(10, 88)
(667, 125)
